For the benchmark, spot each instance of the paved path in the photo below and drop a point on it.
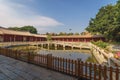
(11, 69)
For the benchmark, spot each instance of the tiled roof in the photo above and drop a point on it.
(78, 36)
(38, 35)
(13, 32)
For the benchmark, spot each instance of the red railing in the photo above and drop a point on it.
(76, 68)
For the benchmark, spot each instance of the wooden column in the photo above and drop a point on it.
(55, 46)
(48, 45)
(14, 38)
(49, 61)
(78, 69)
(41, 46)
(63, 47)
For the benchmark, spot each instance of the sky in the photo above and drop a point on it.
(50, 15)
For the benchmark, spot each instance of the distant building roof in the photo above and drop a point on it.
(79, 36)
(22, 33)
(38, 35)
(13, 32)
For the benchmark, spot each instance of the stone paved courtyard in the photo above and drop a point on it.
(11, 69)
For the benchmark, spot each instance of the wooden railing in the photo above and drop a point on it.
(76, 68)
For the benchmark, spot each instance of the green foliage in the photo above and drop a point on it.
(49, 37)
(115, 43)
(62, 34)
(30, 29)
(76, 33)
(14, 28)
(70, 33)
(107, 22)
(101, 44)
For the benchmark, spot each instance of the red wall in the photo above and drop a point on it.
(79, 39)
(8, 38)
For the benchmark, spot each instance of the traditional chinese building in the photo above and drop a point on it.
(7, 35)
(78, 38)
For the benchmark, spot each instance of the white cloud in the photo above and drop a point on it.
(15, 14)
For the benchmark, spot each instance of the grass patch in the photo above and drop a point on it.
(101, 44)
(115, 43)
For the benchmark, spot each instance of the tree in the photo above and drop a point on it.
(76, 33)
(49, 37)
(62, 33)
(70, 33)
(107, 22)
(14, 28)
(30, 29)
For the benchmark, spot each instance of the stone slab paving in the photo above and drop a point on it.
(11, 69)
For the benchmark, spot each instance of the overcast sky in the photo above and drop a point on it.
(50, 15)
